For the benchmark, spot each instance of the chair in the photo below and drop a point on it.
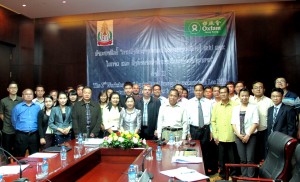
(277, 163)
(296, 175)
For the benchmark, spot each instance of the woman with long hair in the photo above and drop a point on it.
(60, 120)
(45, 132)
(112, 114)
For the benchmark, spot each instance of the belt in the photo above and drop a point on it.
(172, 129)
(199, 128)
(27, 133)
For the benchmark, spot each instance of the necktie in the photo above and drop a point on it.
(200, 115)
(88, 118)
(145, 114)
(274, 117)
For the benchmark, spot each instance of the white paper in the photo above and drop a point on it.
(185, 174)
(187, 159)
(93, 141)
(14, 169)
(42, 155)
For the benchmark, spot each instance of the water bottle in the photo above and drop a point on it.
(131, 174)
(80, 139)
(171, 139)
(158, 154)
(45, 167)
(1, 178)
(63, 153)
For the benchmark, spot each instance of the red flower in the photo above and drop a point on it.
(118, 134)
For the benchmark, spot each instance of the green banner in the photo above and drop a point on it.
(205, 27)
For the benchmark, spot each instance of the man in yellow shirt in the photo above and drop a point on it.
(222, 131)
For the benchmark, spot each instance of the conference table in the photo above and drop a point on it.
(100, 164)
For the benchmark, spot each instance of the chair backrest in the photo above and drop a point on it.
(296, 175)
(277, 163)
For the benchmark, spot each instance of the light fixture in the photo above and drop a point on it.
(64, 2)
(24, 5)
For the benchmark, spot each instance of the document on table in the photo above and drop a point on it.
(42, 155)
(15, 169)
(185, 174)
(93, 141)
(185, 159)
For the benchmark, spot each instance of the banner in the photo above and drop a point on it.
(166, 50)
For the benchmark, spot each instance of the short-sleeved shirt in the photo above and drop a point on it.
(6, 107)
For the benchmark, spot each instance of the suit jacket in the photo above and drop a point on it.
(285, 120)
(56, 119)
(79, 117)
(153, 109)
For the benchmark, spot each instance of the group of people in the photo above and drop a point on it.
(231, 124)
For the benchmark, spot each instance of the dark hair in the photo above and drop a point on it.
(178, 84)
(216, 86)
(185, 89)
(255, 82)
(244, 90)
(109, 105)
(101, 93)
(40, 86)
(87, 87)
(199, 84)
(281, 77)
(49, 97)
(156, 85)
(127, 84)
(129, 98)
(277, 90)
(173, 89)
(80, 85)
(225, 87)
(72, 92)
(229, 83)
(13, 82)
(208, 87)
(53, 91)
(242, 82)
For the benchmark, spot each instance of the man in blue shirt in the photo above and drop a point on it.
(24, 120)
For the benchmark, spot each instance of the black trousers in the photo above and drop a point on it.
(227, 155)
(147, 133)
(202, 134)
(8, 141)
(26, 141)
(261, 140)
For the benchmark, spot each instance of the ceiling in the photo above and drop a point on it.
(52, 8)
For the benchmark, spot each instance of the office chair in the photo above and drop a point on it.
(276, 166)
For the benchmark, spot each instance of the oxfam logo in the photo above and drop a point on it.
(194, 28)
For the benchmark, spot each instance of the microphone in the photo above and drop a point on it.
(21, 179)
(143, 163)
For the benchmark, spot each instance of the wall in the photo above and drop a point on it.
(17, 33)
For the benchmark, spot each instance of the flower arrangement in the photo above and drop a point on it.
(124, 140)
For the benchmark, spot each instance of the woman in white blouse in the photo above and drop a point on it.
(244, 122)
(130, 117)
(112, 114)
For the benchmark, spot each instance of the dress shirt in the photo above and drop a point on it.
(172, 116)
(192, 111)
(111, 118)
(162, 100)
(25, 118)
(251, 117)
(235, 98)
(131, 121)
(221, 121)
(41, 104)
(6, 106)
(263, 104)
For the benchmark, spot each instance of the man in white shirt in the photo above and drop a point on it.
(199, 112)
(172, 118)
(263, 104)
(182, 101)
(39, 92)
(157, 94)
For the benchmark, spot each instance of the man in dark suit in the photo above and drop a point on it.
(149, 107)
(281, 117)
(128, 86)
